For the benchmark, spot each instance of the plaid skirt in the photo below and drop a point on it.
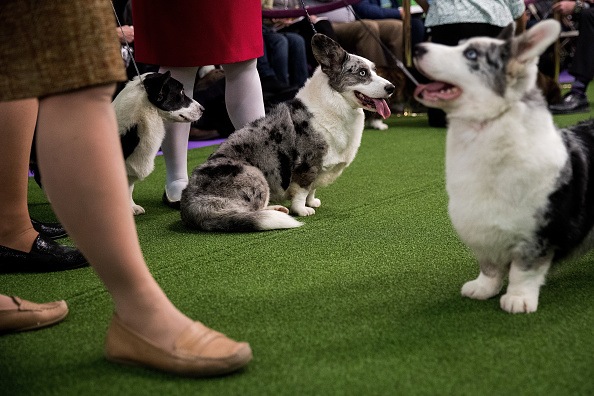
(49, 47)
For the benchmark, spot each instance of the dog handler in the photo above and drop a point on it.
(59, 62)
(180, 36)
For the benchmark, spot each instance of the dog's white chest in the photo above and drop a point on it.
(497, 183)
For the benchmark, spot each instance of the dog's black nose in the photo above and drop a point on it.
(419, 50)
(389, 89)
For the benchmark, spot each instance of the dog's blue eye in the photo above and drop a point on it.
(471, 54)
(362, 73)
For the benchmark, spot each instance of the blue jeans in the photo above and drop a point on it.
(285, 53)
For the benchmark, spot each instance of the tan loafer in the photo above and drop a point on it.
(198, 351)
(31, 316)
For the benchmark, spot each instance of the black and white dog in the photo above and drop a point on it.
(141, 108)
(300, 145)
(521, 191)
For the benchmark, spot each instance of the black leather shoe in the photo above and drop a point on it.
(50, 230)
(171, 204)
(573, 102)
(45, 256)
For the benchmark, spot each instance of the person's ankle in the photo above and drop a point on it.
(174, 189)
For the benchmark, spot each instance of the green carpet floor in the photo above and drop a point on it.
(364, 299)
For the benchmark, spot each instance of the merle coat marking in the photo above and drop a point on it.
(299, 146)
(141, 109)
(521, 191)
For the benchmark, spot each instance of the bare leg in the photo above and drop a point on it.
(18, 125)
(175, 144)
(525, 280)
(96, 210)
(243, 93)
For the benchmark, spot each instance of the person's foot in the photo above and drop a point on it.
(198, 351)
(23, 315)
(45, 256)
(202, 134)
(50, 230)
(573, 102)
(173, 192)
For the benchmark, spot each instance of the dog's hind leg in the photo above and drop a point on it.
(280, 208)
(488, 283)
(525, 280)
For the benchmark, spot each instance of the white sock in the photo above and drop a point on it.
(175, 144)
(243, 93)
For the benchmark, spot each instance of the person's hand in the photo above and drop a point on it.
(564, 7)
(128, 33)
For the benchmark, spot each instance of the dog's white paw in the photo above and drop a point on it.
(137, 210)
(376, 124)
(482, 288)
(519, 303)
(280, 208)
(302, 210)
(314, 203)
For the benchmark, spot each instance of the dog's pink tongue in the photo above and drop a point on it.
(382, 108)
(436, 90)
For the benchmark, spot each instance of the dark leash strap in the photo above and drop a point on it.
(308, 17)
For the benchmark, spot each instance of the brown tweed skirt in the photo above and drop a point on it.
(49, 47)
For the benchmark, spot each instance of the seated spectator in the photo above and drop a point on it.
(302, 26)
(284, 53)
(389, 9)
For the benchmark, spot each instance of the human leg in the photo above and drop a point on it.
(361, 39)
(391, 34)
(18, 125)
(298, 72)
(277, 49)
(175, 144)
(243, 93)
(95, 210)
(22, 249)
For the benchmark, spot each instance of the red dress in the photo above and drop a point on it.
(178, 33)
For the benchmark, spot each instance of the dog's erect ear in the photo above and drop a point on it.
(329, 54)
(508, 32)
(166, 76)
(535, 40)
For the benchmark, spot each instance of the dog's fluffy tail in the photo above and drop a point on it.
(238, 221)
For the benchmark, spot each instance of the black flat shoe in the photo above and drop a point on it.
(573, 102)
(45, 256)
(50, 230)
(171, 204)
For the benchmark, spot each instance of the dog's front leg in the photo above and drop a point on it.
(311, 200)
(525, 280)
(136, 209)
(488, 283)
(298, 198)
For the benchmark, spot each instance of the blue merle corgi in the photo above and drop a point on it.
(298, 146)
(141, 109)
(521, 191)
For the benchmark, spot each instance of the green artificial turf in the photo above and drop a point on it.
(364, 299)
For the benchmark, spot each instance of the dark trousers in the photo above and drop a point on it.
(582, 65)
